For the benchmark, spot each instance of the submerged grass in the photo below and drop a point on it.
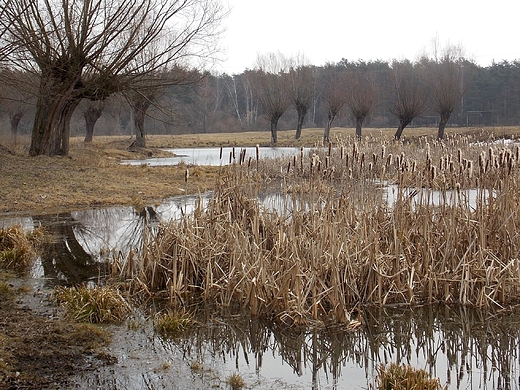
(336, 242)
(102, 304)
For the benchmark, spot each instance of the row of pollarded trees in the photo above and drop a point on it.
(91, 49)
(437, 83)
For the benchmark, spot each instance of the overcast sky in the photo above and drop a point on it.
(329, 30)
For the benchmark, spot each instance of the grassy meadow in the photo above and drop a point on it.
(335, 243)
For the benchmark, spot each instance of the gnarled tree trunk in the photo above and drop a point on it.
(51, 131)
(301, 109)
(91, 115)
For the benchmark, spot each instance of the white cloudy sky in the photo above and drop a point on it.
(329, 30)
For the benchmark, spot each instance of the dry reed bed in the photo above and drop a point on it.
(336, 243)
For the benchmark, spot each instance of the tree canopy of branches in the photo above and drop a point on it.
(448, 87)
(361, 96)
(410, 93)
(272, 81)
(93, 48)
(334, 94)
(302, 89)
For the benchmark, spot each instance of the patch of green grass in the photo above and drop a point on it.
(404, 377)
(93, 305)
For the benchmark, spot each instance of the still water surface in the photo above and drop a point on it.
(466, 349)
(214, 156)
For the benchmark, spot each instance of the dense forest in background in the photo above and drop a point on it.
(211, 103)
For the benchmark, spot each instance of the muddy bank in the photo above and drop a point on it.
(38, 349)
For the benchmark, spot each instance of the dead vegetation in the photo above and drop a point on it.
(404, 377)
(96, 304)
(336, 243)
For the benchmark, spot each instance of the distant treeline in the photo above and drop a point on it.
(211, 103)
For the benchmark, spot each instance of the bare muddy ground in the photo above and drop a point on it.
(39, 350)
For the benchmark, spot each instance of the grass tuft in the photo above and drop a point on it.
(18, 249)
(93, 305)
(172, 323)
(404, 377)
(235, 381)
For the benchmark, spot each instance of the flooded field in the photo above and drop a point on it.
(465, 348)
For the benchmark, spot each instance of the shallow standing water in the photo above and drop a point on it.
(214, 156)
(465, 348)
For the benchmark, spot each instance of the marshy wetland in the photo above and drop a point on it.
(316, 289)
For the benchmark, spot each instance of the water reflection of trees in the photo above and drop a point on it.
(461, 346)
(64, 260)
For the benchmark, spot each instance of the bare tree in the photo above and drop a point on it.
(302, 89)
(334, 94)
(448, 84)
(17, 93)
(88, 49)
(273, 92)
(410, 93)
(251, 99)
(361, 96)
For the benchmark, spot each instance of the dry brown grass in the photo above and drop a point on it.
(100, 304)
(91, 176)
(18, 249)
(401, 377)
(336, 244)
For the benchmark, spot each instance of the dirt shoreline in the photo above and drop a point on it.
(38, 348)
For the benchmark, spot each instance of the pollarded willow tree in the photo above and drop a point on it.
(302, 89)
(334, 95)
(272, 82)
(410, 93)
(448, 86)
(361, 96)
(93, 48)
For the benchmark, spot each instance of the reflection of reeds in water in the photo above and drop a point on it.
(459, 345)
(341, 245)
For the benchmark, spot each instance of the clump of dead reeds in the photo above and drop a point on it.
(18, 248)
(404, 377)
(335, 242)
(101, 304)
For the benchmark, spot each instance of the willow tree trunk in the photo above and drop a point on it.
(442, 124)
(274, 130)
(359, 124)
(139, 109)
(402, 124)
(15, 121)
(302, 111)
(326, 133)
(91, 114)
(54, 108)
